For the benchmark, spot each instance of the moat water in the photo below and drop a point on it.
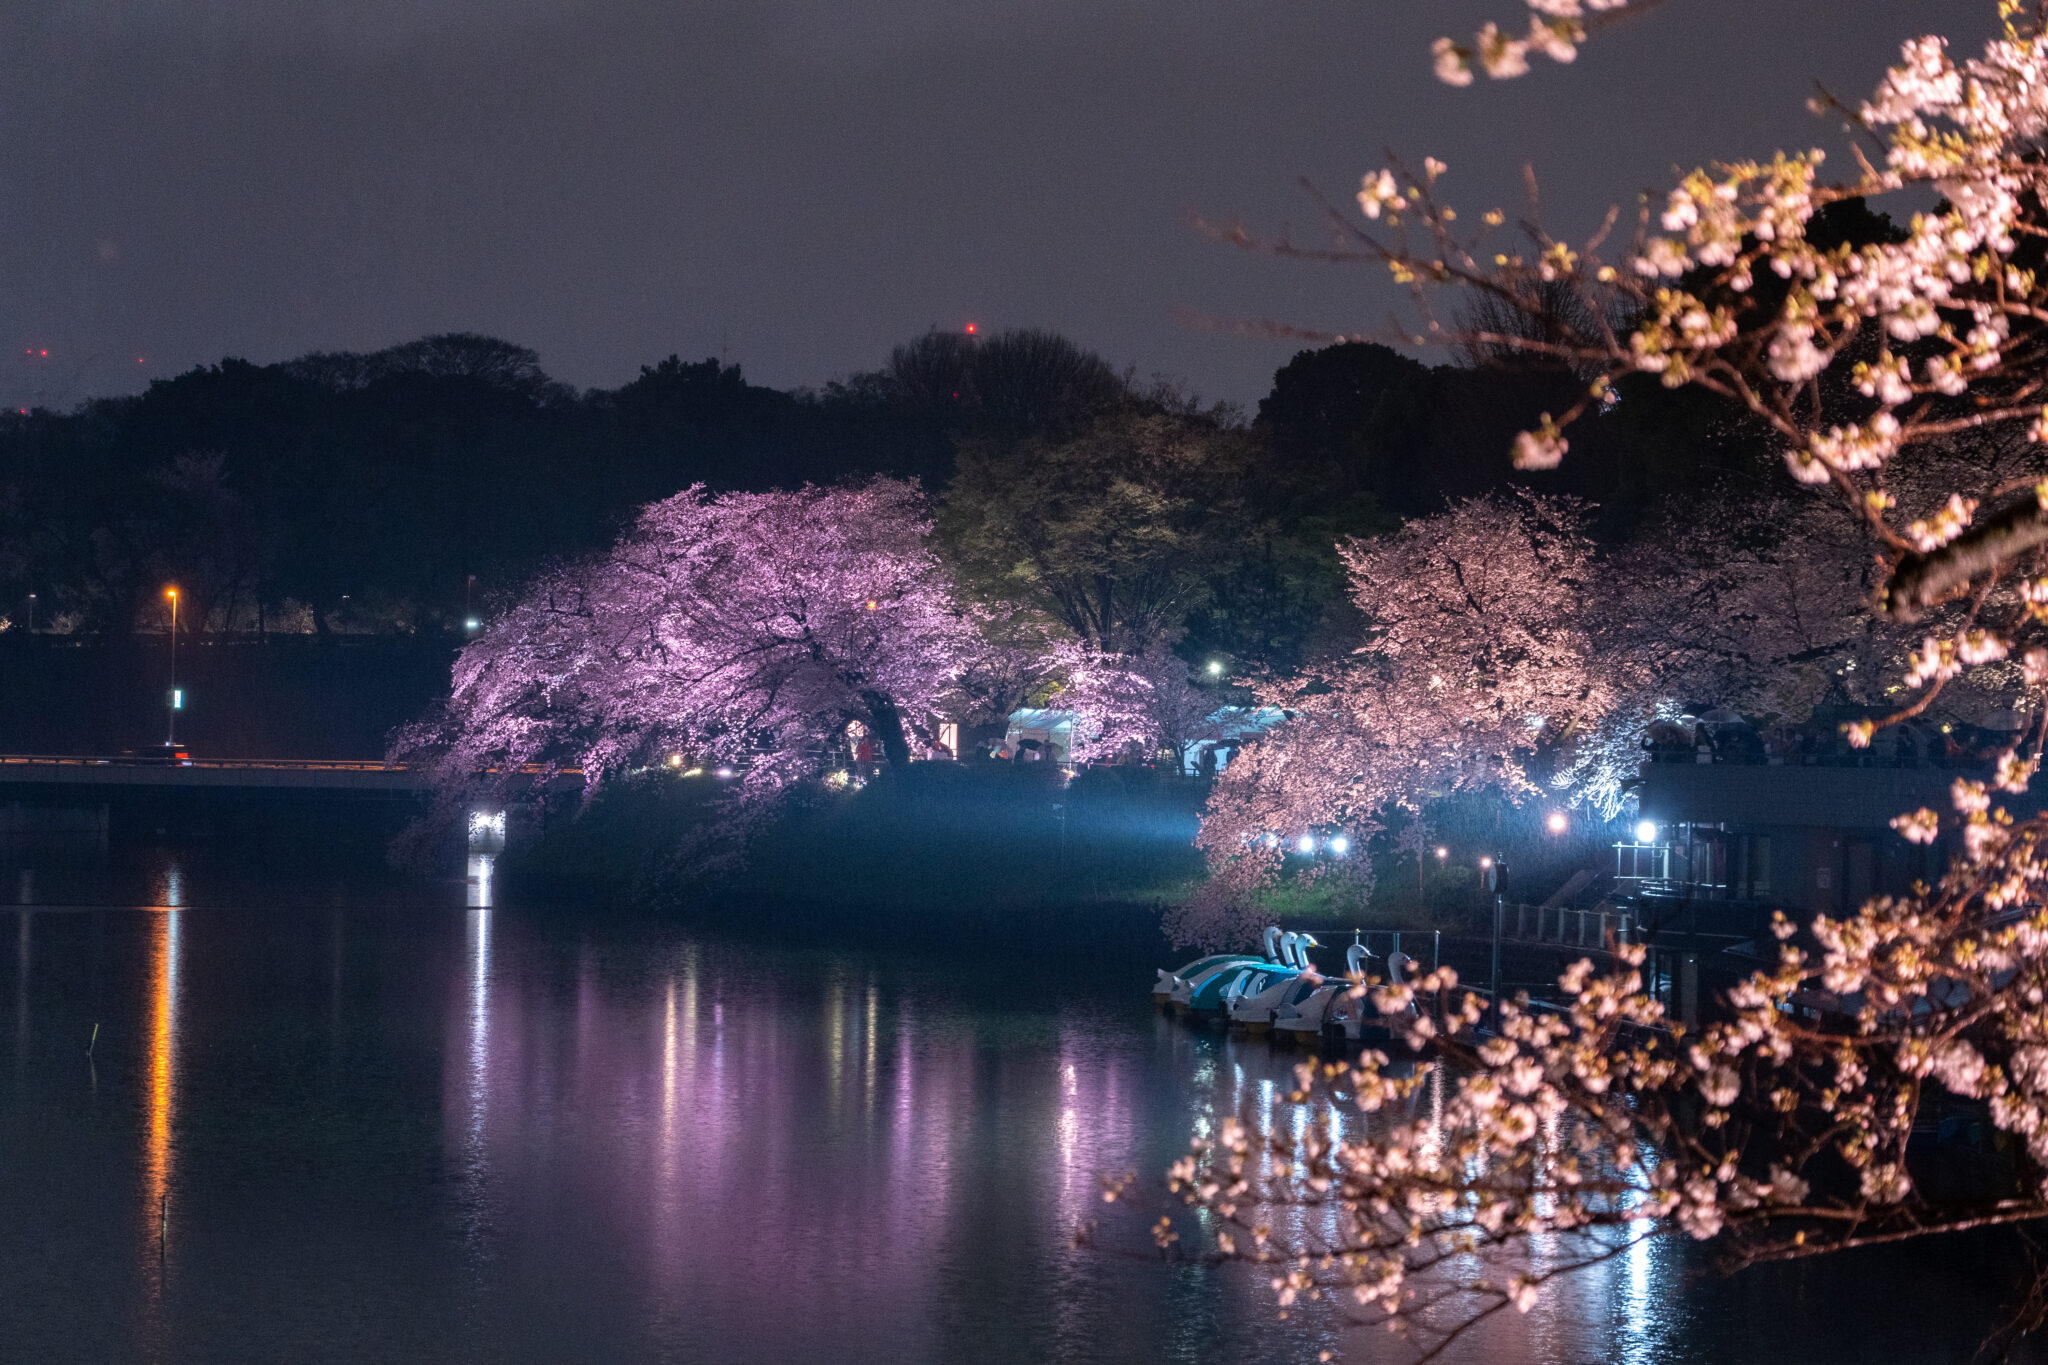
(261, 1107)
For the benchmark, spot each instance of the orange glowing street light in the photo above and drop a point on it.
(176, 698)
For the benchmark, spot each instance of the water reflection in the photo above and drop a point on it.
(654, 1148)
(568, 1139)
(23, 946)
(475, 1089)
(868, 1060)
(477, 881)
(160, 1094)
(1635, 1296)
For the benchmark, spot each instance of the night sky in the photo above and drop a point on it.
(799, 183)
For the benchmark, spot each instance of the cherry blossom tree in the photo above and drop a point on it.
(1863, 357)
(1505, 651)
(745, 632)
(1120, 700)
(1780, 1129)
(1184, 713)
(1556, 28)
(1580, 1131)
(1481, 650)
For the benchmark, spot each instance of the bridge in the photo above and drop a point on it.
(298, 774)
(88, 770)
(97, 794)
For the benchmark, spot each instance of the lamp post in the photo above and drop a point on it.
(171, 738)
(1496, 869)
(31, 613)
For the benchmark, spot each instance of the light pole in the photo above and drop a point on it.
(171, 739)
(31, 613)
(1496, 872)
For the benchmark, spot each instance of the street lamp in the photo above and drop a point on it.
(1215, 668)
(1557, 823)
(31, 613)
(171, 736)
(1497, 876)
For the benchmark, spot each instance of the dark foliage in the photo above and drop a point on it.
(405, 490)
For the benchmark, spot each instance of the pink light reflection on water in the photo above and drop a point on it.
(691, 1153)
(752, 1160)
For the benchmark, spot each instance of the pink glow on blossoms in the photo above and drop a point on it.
(746, 630)
(1479, 638)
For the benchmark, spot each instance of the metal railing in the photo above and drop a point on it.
(346, 765)
(1594, 929)
(163, 761)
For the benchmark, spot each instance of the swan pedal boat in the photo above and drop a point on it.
(1208, 984)
(1256, 999)
(1305, 1018)
(1355, 1019)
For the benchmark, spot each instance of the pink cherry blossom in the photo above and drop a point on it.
(746, 631)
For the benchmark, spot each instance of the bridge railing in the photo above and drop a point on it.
(346, 765)
(152, 761)
(1593, 929)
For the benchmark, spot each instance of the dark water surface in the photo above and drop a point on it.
(335, 1116)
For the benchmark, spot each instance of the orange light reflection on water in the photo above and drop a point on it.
(161, 1093)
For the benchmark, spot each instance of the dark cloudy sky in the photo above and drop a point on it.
(800, 182)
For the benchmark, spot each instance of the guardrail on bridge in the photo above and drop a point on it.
(1596, 930)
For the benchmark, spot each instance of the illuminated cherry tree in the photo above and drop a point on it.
(1482, 648)
(1580, 1131)
(1556, 28)
(1780, 1129)
(1146, 700)
(1863, 358)
(743, 632)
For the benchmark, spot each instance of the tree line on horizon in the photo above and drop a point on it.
(405, 490)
